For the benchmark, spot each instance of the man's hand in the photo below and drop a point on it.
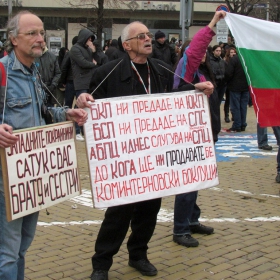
(7, 138)
(77, 115)
(206, 87)
(91, 45)
(83, 100)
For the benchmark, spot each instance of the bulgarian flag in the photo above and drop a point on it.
(258, 44)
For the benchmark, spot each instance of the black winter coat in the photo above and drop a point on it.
(102, 57)
(235, 75)
(218, 66)
(114, 54)
(164, 52)
(49, 70)
(121, 81)
(81, 60)
(66, 70)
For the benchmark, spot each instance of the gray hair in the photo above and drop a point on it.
(126, 31)
(13, 28)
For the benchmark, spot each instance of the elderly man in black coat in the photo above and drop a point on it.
(134, 74)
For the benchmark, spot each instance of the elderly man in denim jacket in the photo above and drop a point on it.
(21, 101)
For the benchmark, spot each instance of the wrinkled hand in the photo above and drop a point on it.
(206, 87)
(83, 100)
(77, 115)
(218, 15)
(7, 138)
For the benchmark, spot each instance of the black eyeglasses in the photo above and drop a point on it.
(142, 36)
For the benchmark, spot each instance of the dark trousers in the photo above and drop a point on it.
(186, 212)
(221, 91)
(141, 216)
(226, 105)
(70, 95)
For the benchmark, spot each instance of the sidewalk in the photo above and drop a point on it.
(243, 209)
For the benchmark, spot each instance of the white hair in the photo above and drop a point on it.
(126, 31)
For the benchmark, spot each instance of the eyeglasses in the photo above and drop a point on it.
(34, 33)
(142, 36)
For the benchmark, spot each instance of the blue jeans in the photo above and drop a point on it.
(262, 136)
(238, 106)
(15, 238)
(186, 212)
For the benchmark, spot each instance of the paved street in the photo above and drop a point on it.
(243, 209)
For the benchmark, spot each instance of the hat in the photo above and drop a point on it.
(159, 34)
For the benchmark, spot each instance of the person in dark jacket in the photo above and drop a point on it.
(162, 50)
(61, 55)
(116, 50)
(60, 89)
(142, 216)
(229, 54)
(83, 60)
(102, 57)
(218, 66)
(66, 79)
(239, 93)
(49, 70)
(112, 49)
(172, 43)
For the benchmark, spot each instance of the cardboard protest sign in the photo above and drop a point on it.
(40, 170)
(149, 146)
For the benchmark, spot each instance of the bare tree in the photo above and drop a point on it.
(256, 8)
(97, 7)
(274, 10)
(241, 7)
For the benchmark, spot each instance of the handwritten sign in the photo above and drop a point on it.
(40, 170)
(145, 147)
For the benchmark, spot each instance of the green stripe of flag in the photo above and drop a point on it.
(262, 67)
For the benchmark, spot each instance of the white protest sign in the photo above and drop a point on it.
(149, 146)
(40, 170)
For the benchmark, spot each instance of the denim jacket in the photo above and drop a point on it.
(24, 96)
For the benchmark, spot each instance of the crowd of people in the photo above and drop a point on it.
(76, 73)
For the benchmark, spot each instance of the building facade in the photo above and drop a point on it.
(63, 20)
